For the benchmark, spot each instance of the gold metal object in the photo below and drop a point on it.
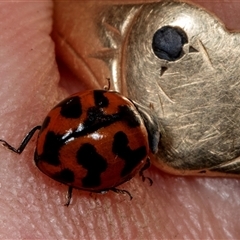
(196, 97)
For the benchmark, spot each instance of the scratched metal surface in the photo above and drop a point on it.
(196, 98)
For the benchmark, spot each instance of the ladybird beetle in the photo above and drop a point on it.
(94, 141)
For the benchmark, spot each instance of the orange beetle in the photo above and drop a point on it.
(94, 141)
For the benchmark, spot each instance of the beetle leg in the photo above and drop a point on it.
(146, 166)
(24, 142)
(68, 196)
(116, 190)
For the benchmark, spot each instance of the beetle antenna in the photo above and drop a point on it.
(107, 88)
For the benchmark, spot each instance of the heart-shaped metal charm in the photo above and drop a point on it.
(182, 65)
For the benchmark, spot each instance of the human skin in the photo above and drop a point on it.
(31, 84)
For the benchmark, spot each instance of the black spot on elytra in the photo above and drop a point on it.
(93, 162)
(45, 123)
(71, 107)
(129, 116)
(95, 116)
(66, 176)
(99, 99)
(97, 119)
(131, 157)
(51, 149)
